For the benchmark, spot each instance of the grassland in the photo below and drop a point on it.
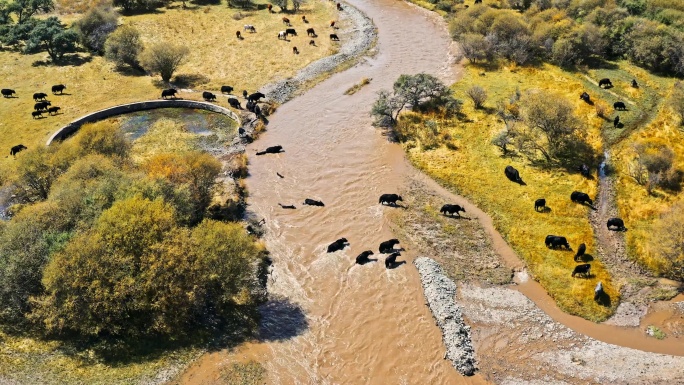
(638, 208)
(217, 57)
(469, 164)
(26, 360)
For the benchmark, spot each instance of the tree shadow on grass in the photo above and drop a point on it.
(190, 80)
(68, 60)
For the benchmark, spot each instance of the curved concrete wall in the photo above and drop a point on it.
(121, 109)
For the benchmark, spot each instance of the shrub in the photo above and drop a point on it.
(478, 95)
(676, 101)
(551, 126)
(124, 46)
(667, 242)
(652, 165)
(95, 26)
(164, 58)
(193, 171)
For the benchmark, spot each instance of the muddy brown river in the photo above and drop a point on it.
(341, 323)
(365, 324)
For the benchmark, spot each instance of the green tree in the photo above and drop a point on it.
(52, 36)
(26, 243)
(137, 275)
(95, 26)
(419, 88)
(164, 58)
(24, 9)
(124, 46)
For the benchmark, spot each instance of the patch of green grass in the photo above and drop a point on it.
(475, 170)
(646, 98)
(31, 361)
(655, 332)
(250, 373)
(356, 87)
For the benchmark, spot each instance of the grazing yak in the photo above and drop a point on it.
(513, 175)
(391, 261)
(598, 291)
(291, 207)
(584, 170)
(53, 110)
(388, 246)
(41, 106)
(312, 42)
(332, 23)
(233, 102)
(238, 35)
(580, 251)
(338, 245)
(540, 204)
(282, 35)
(290, 31)
(334, 37)
(362, 258)
(286, 21)
(390, 199)
(208, 96)
(620, 106)
(39, 96)
(271, 150)
(616, 121)
(580, 197)
(313, 202)
(605, 82)
(635, 84)
(616, 224)
(18, 148)
(304, 19)
(582, 270)
(554, 242)
(451, 210)
(171, 92)
(226, 89)
(295, 50)
(6, 92)
(257, 111)
(255, 97)
(585, 96)
(311, 32)
(58, 88)
(339, 6)
(270, 8)
(37, 114)
(250, 28)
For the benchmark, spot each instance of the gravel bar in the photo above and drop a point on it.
(440, 292)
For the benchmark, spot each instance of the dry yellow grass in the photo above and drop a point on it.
(216, 58)
(639, 209)
(474, 168)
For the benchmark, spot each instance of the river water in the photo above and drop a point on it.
(364, 324)
(337, 322)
